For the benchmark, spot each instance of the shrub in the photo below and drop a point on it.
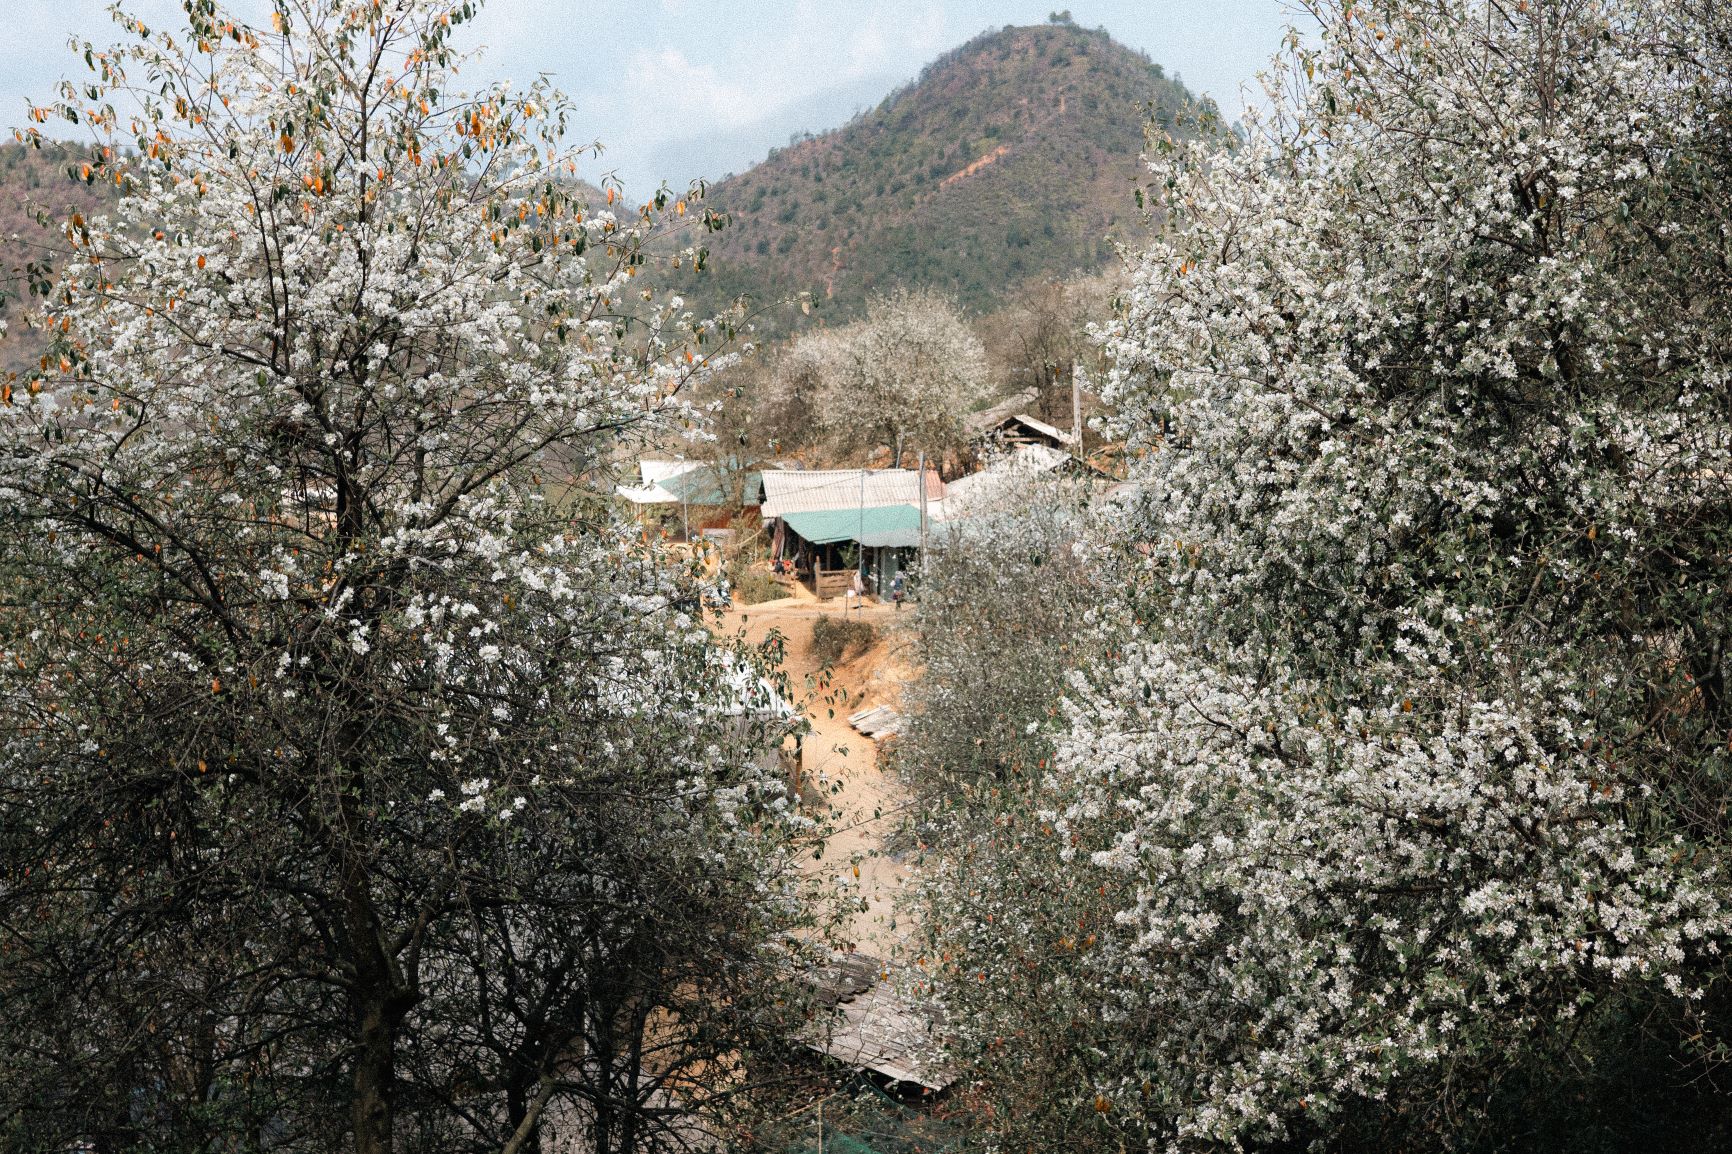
(752, 585)
(835, 639)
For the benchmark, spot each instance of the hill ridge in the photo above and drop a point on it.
(1010, 158)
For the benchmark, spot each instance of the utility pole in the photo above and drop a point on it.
(922, 467)
(860, 552)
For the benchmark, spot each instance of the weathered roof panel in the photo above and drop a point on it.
(814, 490)
(878, 722)
(1058, 435)
(877, 1030)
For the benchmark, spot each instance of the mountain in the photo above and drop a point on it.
(1011, 159)
(1014, 157)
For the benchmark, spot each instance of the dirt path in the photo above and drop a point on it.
(869, 801)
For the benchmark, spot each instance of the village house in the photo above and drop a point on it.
(691, 497)
(1018, 429)
(1008, 425)
(829, 525)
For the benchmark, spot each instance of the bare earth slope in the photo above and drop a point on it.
(869, 803)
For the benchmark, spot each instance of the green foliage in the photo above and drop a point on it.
(863, 1119)
(752, 585)
(353, 794)
(1397, 821)
(1007, 613)
(835, 639)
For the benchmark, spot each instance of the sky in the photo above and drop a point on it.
(680, 89)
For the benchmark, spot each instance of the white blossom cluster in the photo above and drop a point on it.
(1419, 745)
(905, 375)
(330, 392)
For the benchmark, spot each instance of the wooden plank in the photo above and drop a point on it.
(874, 1028)
(828, 583)
(879, 721)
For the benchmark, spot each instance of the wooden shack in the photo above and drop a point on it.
(834, 525)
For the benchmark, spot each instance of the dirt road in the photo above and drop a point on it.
(869, 802)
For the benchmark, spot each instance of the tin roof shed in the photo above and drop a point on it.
(711, 486)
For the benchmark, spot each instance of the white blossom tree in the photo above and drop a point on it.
(1416, 769)
(1018, 590)
(904, 377)
(361, 784)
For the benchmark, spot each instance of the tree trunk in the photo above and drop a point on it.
(375, 1070)
(380, 1001)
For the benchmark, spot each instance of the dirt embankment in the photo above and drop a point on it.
(869, 803)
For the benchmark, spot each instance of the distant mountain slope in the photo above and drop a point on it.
(33, 180)
(1012, 157)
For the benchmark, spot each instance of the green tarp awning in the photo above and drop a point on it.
(876, 527)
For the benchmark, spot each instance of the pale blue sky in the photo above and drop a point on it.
(678, 89)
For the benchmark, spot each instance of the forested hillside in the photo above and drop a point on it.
(39, 189)
(1012, 158)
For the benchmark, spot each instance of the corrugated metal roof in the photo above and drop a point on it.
(883, 525)
(655, 472)
(812, 490)
(1058, 435)
(892, 539)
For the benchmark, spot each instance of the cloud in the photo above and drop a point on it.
(668, 87)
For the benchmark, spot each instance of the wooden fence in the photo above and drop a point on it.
(832, 582)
